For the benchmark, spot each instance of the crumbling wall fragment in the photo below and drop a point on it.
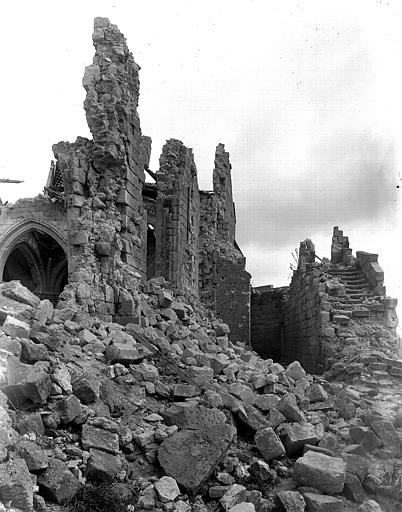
(177, 218)
(103, 184)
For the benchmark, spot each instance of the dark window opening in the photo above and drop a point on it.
(40, 263)
(151, 252)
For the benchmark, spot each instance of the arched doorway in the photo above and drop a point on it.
(37, 260)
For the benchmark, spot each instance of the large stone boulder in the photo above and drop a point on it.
(16, 484)
(57, 483)
(189, 456)
(321, 471)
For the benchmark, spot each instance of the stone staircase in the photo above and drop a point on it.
(354, 299)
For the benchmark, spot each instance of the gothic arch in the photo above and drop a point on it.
(35, 253)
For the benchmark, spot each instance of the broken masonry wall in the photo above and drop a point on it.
(103, 185)
(207, 249)
(368, 263)
(340, 251)
(267, 320)
(306, 319)
(222, 182)
(224, 282)
(233, 297)
(178, 218)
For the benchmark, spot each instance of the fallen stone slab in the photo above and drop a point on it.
(369, 506)
(15, 328)
(252, 417)
(16, 291)
(298, 435)
(16, 484)
(353, 488)
(93, 437)
(57, 483)
(233, 496)
(86, 388)
(317, 470)
(295, 371)
(322, 503)
(287, 405)
(167, 489)
(33, 455)
(189, 456)
(386, 432)
(102, 466)
(27, 384)
(68, 408)
(291, 501)
(244, 506)
(269, 444)
(192, 416)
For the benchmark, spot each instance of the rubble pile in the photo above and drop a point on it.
(169, 415)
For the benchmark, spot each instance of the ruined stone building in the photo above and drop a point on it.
(100, 231)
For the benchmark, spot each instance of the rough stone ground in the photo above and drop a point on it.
(169, 415)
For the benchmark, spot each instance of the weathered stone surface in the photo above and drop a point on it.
(57, 483)
(102, 466)
(192, 416)
(27, 383)
(321, 471)
(15, 328)
(16, 291)
(322, 503)
(68, 408)
(369, 506)
(316, 393)
(93, 437)
(233, 496)
(86, 388)
(33, 352)
(291, 501)
(353, 488)
(287, 405)
(16, 484)
(167, 489)
(189, 456)
(266, 402)
(269, 444)
(298, 435)
(244, 506)
(295, 371)
(386, 432)
(33, 455)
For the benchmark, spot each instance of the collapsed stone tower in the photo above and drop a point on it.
(108, 230)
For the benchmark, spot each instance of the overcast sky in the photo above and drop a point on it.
(305, 95)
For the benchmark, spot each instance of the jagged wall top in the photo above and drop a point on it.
(112, 86)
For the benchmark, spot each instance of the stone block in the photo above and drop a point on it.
(15, 328)
(317, 470)
(269, 444)
(298, 435)
(190, 456)
(57, 482)
(16, 484)
(167, 489)
(93, 437)
(102, 466)
(322, 503)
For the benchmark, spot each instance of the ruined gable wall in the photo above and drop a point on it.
(178, 218)
(224, 282)
(222, 182)
(103, 184)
